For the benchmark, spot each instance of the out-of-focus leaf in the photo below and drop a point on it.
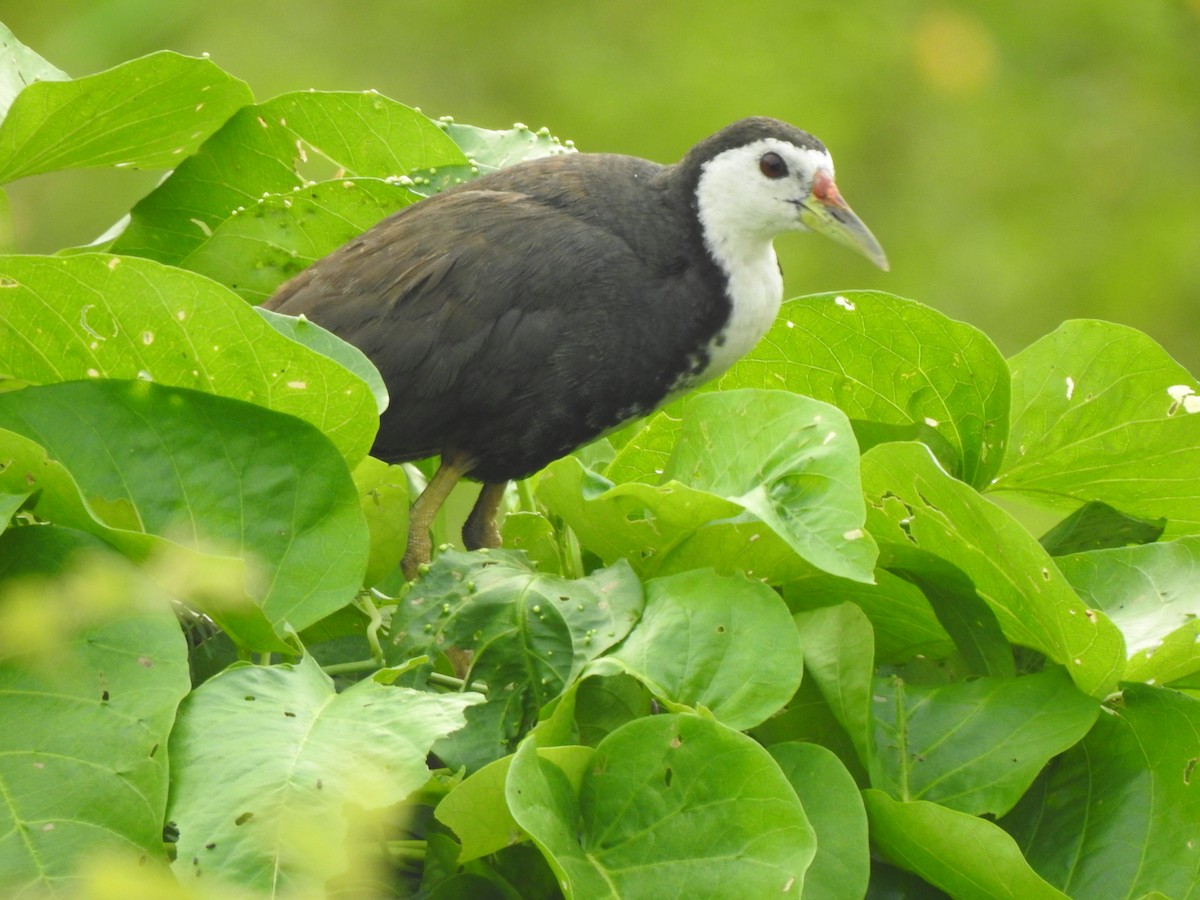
(899, 370)
(92, 666)
(210, 473)
(1117, 815)
(148, 113)
(1102, 413)
(291, 756)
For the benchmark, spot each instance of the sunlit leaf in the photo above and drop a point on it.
(1102, 413)
(148, 113)
(898, 369)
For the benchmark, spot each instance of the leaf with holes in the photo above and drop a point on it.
(899, 370)
(923, 518)
(1117, 815)
(123, 317)
(974, 746)
(723, 643)
(530, 633)
(1102, 413)
(671, 800)
(291, 756)
(278, 147)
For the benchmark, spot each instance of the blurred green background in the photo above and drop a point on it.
(1022, 163)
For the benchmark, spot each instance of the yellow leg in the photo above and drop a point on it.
(480, 528)
(421, 516)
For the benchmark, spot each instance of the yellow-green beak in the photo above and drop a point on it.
(825, 212)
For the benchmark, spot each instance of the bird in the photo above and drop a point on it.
(520, 315)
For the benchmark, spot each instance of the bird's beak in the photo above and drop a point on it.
(825, 212)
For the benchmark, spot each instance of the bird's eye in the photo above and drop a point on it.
(772, 165)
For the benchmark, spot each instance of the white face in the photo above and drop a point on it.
(752, 193)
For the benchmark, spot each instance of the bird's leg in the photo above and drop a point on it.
(480, 528)
(420, 517)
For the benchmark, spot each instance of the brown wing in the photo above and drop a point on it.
(504, 327)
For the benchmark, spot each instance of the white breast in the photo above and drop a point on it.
(755, 294)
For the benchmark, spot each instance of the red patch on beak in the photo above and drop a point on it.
(825, 190)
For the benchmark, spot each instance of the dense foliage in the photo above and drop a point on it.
(787, 636)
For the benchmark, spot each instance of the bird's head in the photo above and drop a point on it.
(760, 177)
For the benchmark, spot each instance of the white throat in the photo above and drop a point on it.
(744, 251)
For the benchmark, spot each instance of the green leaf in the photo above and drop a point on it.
(383, 493)
(839, 650)
(974, 746)
(747, 466)
(315, 338)
(898, 369)
(490, 150)
(100, 316)
(259, 247)
(530, 631)
(834, 806)
(965, 856)
(1097, 526)
(20, 67)
(1102, 413)
(270, 148)
(290, 755)
(477, 809)
(1116, 816)
(921, 516)
(9, 504)
(723, 643)
(209, 473)
(901, 618)
(533, 534)
(1151, 593)
(92, 666)
(962, 612)
(149, 113)
(674, 804)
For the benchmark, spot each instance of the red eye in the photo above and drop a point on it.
(772, 165)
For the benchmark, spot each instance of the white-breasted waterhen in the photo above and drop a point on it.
(520, 315)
